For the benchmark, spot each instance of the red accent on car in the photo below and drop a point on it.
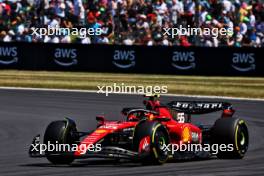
(228, 113)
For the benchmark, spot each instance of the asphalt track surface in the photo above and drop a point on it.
(26, 113)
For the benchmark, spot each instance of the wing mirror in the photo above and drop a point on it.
(229, 112)
(100, 120)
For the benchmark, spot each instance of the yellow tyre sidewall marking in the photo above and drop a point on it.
(236, 138)
(236, 133)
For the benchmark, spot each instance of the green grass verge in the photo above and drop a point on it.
(193, 85)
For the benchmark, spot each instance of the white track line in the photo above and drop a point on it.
(94, 91)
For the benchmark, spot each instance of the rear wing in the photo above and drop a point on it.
(196, 107)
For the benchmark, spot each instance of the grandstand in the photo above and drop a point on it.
(134, 22)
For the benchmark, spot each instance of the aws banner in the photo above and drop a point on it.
(132, 59)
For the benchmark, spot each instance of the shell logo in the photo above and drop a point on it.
(100, 131)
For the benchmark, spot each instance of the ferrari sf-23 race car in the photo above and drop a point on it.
(147, 134)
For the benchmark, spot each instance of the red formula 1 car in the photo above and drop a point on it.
(148, 135)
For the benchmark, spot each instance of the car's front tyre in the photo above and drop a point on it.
(57, 132)
(149, 140)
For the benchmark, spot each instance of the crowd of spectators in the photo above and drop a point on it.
(135, 22)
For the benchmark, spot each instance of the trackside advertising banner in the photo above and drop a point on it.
(132, 59)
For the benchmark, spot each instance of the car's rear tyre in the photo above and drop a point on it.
(58, 132)
(231, 131)
(149, 140)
